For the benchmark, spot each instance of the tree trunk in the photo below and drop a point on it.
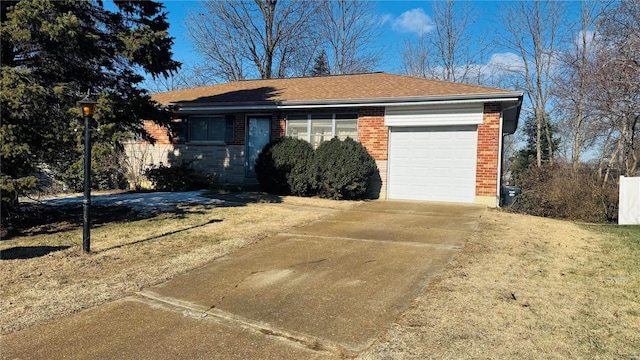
(538, 139)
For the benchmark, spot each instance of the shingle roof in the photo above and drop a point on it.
(326, 88)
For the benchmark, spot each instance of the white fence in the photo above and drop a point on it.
(629, 204)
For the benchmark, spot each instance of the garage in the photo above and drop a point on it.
(433, 164)
(436, 162)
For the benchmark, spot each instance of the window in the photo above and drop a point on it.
(316, 128)
(179, 130)
(212, 128)
(346, 126)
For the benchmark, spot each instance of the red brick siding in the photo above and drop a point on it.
(372, 133)
(488, 151)
(278, 126)
(238, 129)
(160, 133)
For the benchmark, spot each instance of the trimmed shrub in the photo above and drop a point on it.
(343, 169)
(283, 167)
(182, 177)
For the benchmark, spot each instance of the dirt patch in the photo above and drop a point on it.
(525, 288)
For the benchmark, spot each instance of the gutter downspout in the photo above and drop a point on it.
(501, 149)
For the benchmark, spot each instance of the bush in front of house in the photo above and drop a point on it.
(107, 171)
(283, 167)
(342, 169)
(179, 177)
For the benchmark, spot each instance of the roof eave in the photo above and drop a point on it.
(186, 107)
(510, 115)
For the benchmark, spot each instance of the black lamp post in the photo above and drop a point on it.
(88, 106)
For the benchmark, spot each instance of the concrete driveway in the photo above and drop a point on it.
(324, 290)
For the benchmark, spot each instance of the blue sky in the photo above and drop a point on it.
(399, 21)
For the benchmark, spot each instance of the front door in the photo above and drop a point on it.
(258, 134)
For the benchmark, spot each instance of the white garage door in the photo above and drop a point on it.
(436, 163)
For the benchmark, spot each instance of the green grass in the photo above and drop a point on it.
(628, 234)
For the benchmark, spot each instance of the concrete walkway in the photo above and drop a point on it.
(324, 290)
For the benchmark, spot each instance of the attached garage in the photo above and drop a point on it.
(433, 152)
(436, 163)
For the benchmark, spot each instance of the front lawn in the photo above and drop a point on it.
(528, 288)
(44, 275)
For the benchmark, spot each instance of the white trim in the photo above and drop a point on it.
(386, 182)
(500, 156)
(434, 115)
(333, 124)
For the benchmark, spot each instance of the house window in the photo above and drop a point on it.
(316, 128)
(211, 129)
(207, 128)
(179, 130)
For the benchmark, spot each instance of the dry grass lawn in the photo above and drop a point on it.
(528, 288)
(130, 255)
(522, 288)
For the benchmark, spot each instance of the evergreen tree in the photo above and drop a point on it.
(53, 51)
(321, 65)
(526, 157)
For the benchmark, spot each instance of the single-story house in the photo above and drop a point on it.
(432, 140)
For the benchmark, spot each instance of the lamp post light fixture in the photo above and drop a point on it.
(88, 106)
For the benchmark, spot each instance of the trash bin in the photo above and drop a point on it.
(508, 195)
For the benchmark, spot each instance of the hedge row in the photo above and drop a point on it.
(337, 169)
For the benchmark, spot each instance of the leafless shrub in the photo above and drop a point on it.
(554, 190)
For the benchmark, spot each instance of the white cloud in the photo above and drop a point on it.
(414, 21)
(502, 62)
(592, 38)
(491, 73)
(385, 18)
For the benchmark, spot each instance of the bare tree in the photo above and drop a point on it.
(535, 33)
(260, 38)
(349, 30)
(452, 52)
(617, 85)
(416, 57)
(172, 82)
(621, 33)
(574, 85)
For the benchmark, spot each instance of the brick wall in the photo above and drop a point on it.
(239, 129)
(375, 137)
(226, 162)
(488, 151)
(278, 126)
(160, 133)
(372, 133)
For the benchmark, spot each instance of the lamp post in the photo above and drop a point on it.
(88, 106)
